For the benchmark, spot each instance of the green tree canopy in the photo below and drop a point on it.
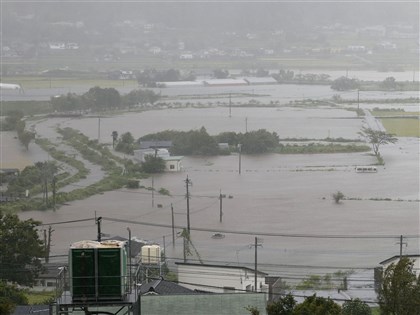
(20, 250)
(344, 84)
(153, 164)
(194, 142)
(220, 73)
(69, 102)
(389, 83)
(10, 296)
(11, 120)
(31, 176)
(356, 307)
(102, 99)
(25, 137)
(140, 97)
(314, 305)
(283, 306)
(125, 144)
(259, 141)
(400, 290)
(377, 138)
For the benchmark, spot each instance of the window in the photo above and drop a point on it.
(172, 167)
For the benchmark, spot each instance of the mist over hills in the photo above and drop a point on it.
(220, 15)
(172, 30)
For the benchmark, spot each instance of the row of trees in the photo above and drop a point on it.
(199, 142)
(346, 84)
(314, 305)
(31, 177)
(100, 99)
(150, 77)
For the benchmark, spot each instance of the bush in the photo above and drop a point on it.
(133, 183)
(338, 196)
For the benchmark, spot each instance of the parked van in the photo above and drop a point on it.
(366, 169)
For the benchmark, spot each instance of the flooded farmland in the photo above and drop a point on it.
(286, 200)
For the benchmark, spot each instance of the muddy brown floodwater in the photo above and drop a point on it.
(286, 196)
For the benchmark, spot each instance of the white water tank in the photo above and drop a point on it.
(150, 255)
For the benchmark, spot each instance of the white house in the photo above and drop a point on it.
(140, 154)
(394, 260)
(173, 163)
(220, 278)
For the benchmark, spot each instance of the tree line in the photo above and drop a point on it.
(101, 99)
(199, 142)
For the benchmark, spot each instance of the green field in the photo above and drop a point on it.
(402, 127)
(393, 113)
(399, 122)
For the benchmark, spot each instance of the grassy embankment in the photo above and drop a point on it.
(89, 150)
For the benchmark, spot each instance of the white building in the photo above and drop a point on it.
(173, 163)
(220, 278)
(395, 259)
(140, 154)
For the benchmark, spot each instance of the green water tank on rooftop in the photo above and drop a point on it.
(98, 270)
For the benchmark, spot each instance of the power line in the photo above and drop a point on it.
(239, 232)
(292, 235)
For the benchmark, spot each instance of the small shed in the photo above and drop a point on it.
(173, 163)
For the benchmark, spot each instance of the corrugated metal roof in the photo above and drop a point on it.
(32, 310)
(163, 287)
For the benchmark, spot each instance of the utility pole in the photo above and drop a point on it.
(230, 105)
(164, 246)
(129, 257)
(98, 222)
(246, 124)
(99, 128)
(240, 153)
(173, 226)
(221, 206)
(47, 243)
(358, 101)
(153, 192)
(401, 245)
(188, 183)
(256, 244)
(53, 190)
